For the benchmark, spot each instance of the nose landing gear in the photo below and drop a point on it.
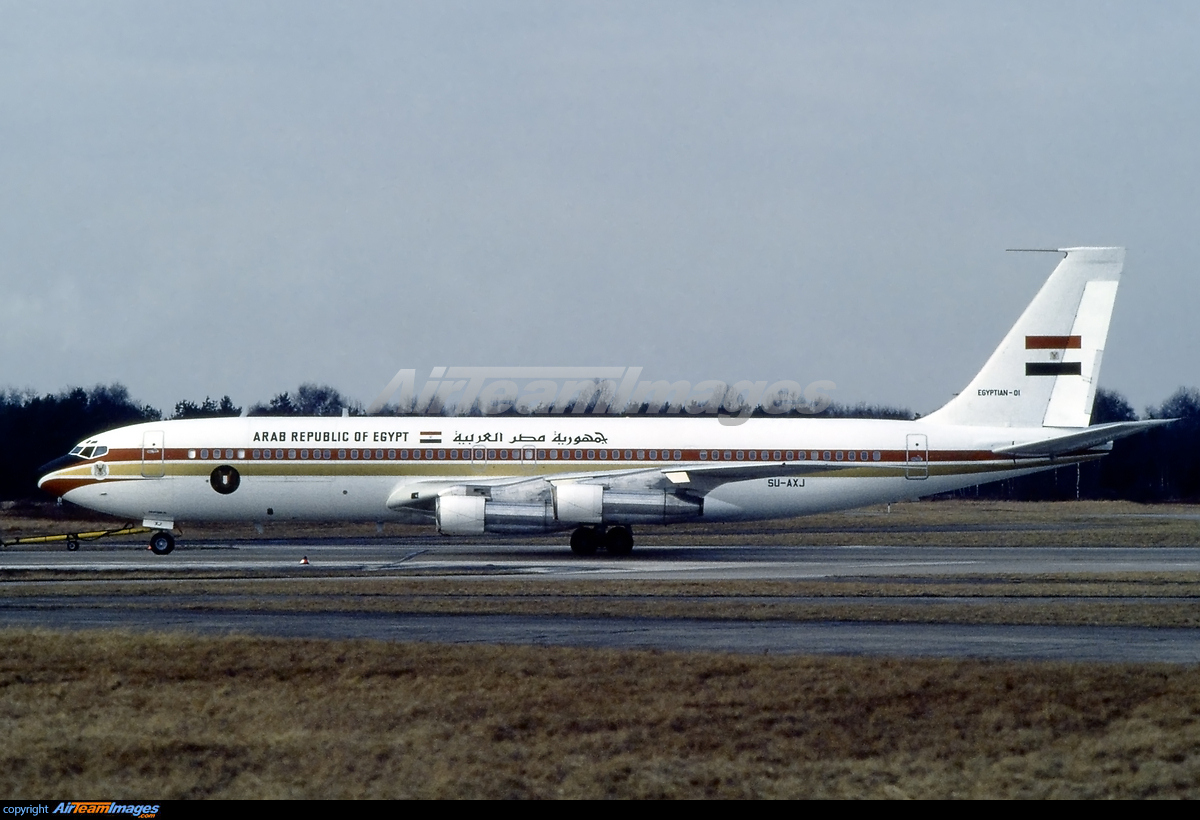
(616, 541)
(161, 543)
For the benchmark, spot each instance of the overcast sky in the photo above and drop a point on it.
(208, 198)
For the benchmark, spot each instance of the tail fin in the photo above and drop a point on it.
(1045, 371)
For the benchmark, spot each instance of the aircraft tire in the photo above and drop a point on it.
(72, 544)
(618, 541)
(161, 543)
(585, 541)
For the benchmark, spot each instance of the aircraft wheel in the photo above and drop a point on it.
(72, 544)
(618, 541)
(161, 543)
(585, 541)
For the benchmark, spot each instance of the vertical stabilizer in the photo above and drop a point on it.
(1045, 371)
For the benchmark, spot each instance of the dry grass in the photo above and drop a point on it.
(175, 717)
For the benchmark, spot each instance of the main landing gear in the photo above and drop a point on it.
(616, 541)
(161, 543)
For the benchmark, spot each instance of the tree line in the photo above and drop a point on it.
(1160, 465)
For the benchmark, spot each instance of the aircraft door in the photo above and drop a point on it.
(153, 455)
(916, 456)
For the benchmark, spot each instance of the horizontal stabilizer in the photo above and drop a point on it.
(1083, 440)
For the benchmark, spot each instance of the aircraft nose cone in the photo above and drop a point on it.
(48, 479)
(56, 465)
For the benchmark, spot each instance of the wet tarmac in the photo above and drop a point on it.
(437, 558)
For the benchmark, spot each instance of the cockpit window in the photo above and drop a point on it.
(100, 451)
(87, 452)
(77, 449)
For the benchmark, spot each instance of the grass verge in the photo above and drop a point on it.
(175, 716)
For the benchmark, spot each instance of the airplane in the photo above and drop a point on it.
(1027, 410)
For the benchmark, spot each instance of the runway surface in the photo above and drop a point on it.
(1075, 643)
(438, 558)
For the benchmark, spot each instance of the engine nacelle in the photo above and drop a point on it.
(648, 508)
(475, 515)
(461, 514)
(579, 503)
(593, 504)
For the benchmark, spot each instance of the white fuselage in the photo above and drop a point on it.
(348, 468)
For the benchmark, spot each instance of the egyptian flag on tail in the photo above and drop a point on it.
(1046, 356)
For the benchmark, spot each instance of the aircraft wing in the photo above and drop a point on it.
(698, 478)
(1085, 439)
(705, 477)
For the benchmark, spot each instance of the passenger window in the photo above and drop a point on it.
(876, 455)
